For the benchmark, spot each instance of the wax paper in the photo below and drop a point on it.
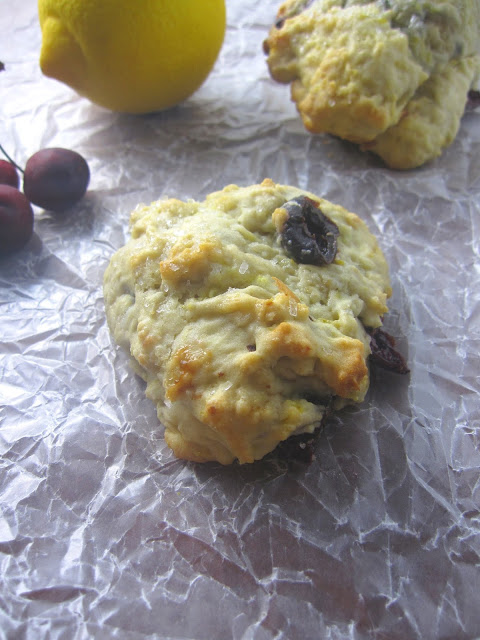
(103, 532)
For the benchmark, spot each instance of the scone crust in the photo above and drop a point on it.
(240, 346)
(362, 67)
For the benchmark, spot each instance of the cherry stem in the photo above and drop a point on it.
(10, 159)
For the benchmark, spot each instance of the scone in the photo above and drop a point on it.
(248, 315)
(390, 75)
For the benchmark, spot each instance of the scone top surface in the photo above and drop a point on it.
(240, 345)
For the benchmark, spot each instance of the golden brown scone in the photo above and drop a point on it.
(391, 75)
(426, 126)
(246, 319)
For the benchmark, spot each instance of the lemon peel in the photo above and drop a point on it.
(133, 57)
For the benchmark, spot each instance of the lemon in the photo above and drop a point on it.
(133, 56)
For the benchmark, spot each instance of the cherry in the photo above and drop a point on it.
(55, 179)
(16, 220)
(8, 174)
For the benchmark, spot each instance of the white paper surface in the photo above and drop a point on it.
(103, 533)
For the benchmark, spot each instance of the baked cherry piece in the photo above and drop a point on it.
(308, 236)
(8, 174)
(384, 353)
(298, 448)
(473, 100)
(55, 179)
(16, 220)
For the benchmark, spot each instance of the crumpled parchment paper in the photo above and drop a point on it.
(103, 533)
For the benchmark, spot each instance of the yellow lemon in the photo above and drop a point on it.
(134, 56)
